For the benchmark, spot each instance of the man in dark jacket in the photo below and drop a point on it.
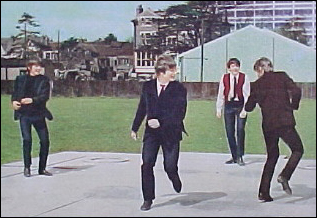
(31, 92)
(278, 96)
(163, 101)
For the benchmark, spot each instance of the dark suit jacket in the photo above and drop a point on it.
(278, 96)
(42, 94)
(169, 108)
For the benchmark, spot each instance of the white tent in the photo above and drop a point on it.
(248, 45)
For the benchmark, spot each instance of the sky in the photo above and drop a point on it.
(81, 19)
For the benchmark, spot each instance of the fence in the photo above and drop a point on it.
(130, 89)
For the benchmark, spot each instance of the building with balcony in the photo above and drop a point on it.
(275, 14)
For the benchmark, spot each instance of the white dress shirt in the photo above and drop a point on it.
(221, 96)
(159, 87)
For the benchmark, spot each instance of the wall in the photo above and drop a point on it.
(132, 89)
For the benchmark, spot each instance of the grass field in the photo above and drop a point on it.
(103, 124)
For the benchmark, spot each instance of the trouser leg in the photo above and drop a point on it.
(25, 127)
(271, 140)
(149, 156)
(292, 139)
(229, 117)
(42, 131)
(171, 156)
(240, 135)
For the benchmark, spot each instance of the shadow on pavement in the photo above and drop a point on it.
(191, 198)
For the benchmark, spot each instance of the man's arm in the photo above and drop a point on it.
(220, 98)
(14, 97)
(141, 112)
(246, 93)
(15, 94)
(296, 92)
(252, 100)
(43, 91)
(183, 104)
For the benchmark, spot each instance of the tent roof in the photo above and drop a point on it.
(253, 28)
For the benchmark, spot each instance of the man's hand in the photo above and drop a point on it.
(243, 114)
(26, 101)
(218, 114)
(153, 123)
(134, 135)
(16, 105)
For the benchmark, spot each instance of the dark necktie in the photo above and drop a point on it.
(162, 89)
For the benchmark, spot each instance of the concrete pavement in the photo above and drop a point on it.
(99, 184)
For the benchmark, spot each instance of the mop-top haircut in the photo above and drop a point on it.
(263, 63)
(164, 62)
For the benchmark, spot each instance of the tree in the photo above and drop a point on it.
(26, 24)
(69, 43)
(183, 26)
(110, 38)
(294, 30)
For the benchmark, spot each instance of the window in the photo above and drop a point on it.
(123, 61)
(263, 2)
(303, 12)
(307, 24)
(146, 36)
(303, 5)
(264, 25)
(283, 12)
(264, 13)
(279, 25)
(145, 59)
(245, 13)
(241, 25)
(146, 21)
(48, 55)
(171, 40)
(230, 13)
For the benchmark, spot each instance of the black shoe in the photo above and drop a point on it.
(265, 198)
(45, 173)
(146, 205)
(285, 184)
(240, 161)
(27, 172)
(231, 161)
(177, 184)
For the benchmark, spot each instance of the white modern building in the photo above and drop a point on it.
(275, 14)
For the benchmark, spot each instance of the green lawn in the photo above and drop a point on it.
(103, 124)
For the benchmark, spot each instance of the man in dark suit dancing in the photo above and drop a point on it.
(278, 96)
(31, 92)
(163, 101)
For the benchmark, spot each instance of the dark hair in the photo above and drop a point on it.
(233, 61)
(163, 63)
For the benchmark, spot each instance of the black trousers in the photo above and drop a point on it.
(151, 145)
(290, 136)
(40, 126)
